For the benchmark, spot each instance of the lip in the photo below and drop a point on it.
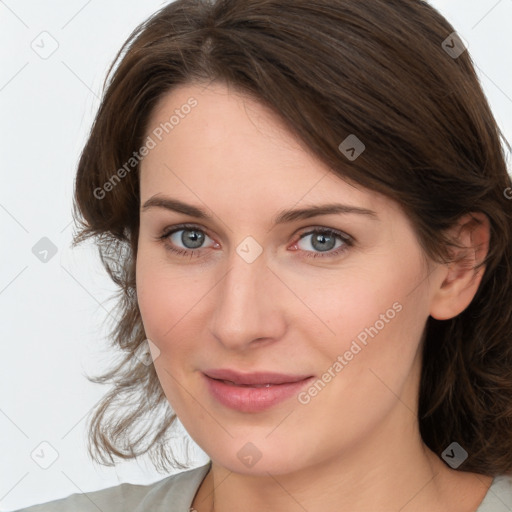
(247, 393)
(253, 378)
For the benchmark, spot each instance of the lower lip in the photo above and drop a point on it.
(248, 399)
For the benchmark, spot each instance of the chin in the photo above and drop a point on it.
(251, 460)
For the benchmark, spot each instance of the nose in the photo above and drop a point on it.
(248, 305)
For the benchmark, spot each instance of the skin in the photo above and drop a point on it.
(356, 445)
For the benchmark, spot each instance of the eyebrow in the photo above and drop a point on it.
(281, 218)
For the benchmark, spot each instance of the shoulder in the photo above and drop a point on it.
(499, 495)
(173, 493)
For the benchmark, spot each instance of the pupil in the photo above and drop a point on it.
(193, 240)
(327, 242)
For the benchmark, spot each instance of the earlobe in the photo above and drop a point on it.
(460, 281)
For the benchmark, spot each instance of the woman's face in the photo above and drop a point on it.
(340, 297)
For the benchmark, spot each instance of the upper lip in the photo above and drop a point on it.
(254, 378)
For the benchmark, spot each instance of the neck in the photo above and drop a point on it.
(406, 476)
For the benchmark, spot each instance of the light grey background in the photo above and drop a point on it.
(51, 313)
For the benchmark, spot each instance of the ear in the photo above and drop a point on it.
(458, 280)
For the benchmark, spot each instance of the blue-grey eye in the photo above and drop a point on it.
(190, 238)
(321, 241)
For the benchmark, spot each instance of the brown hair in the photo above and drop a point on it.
(330, 68)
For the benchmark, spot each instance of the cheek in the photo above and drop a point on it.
(164, 302)
(167, 301)
(158, 299)
(371, 319)
(348, 305)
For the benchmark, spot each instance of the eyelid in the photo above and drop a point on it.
(324, 229)
(185, 225)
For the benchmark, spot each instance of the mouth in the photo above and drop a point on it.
(253, 392)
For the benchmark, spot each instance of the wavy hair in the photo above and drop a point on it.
(384, 70)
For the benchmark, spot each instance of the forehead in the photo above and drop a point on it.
(221, 117)
(230, 143)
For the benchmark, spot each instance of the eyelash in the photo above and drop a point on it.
(346, 239)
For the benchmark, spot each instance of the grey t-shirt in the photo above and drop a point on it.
(175, 493)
